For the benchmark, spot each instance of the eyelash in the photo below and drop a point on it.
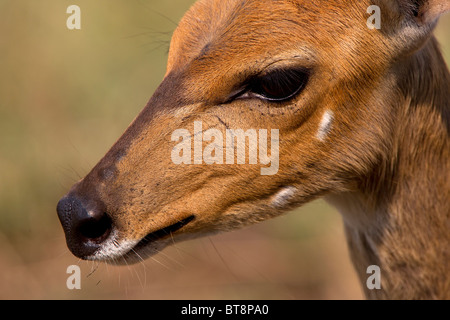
(277, 86)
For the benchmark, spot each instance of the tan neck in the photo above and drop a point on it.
(399, 217)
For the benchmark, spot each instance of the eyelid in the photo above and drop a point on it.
(246, 91)
(285, 69)
(250, 95)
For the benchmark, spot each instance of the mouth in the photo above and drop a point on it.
(126, 252)
(162, 233)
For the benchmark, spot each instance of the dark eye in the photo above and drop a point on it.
(279, 85)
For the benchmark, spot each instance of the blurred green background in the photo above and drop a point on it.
(65, 97)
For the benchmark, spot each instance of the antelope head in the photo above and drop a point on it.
(266, 105)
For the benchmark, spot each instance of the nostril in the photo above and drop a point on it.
(86, 226)
(96, 230)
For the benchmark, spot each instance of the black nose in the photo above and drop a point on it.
(85, 230)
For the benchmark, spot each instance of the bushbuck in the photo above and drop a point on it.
(361, 117)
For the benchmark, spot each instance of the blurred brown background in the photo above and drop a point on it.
(65, 97)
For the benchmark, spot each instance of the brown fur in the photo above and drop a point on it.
(384, 163)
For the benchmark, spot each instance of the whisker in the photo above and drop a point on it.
(158, 13)
(223, 260)
(170, 258)
(160, 263)
(94, 268)
(141, 262)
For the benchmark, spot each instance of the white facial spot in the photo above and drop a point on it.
(283, 197)
(325, 125)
